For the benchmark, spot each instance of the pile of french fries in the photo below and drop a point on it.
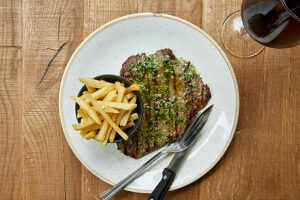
(105, 109)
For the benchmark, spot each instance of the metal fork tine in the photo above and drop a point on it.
(192, 128)
(194, 119)
(195, 133)
(197, 126)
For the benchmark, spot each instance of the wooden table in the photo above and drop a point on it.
(262, 162)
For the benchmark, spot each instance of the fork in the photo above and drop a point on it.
(190, 133)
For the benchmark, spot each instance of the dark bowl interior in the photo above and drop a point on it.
(139, 109)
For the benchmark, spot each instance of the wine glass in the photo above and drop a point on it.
(260, 23)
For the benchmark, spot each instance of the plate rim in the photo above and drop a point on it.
(138, 15)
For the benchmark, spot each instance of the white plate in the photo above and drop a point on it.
(104, 51)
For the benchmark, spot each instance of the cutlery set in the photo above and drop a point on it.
(179, 148)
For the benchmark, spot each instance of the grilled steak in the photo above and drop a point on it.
(172, 93)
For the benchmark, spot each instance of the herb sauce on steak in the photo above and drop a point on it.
(172, 92)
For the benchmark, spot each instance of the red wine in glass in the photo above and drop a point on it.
(273, 23)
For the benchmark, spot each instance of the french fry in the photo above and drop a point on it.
(110, 110)
(119, 117)
(133, 117)
(84, 119)
(104, 142)
(90, 135)
(121, 91)
(78, 115)
(123, 106)
(114, 126)
(133, 100)
(124, 113)
(83, 124)
(94, 83)
(129, 96)
(87, 108)
(132, 88)
(112, 135)
(125, 118)
(90, 89)
(107, 136)
(83, 132)
(101, 117)
(128, 125)
(83, 113)
(109, 120)
(92, 127)
(103, 92)
(102, 132)
(83, 97)
(111, 96)
(103, 108)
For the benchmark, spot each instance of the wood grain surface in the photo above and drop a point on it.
(262, 162)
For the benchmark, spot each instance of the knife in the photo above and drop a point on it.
(169, 172)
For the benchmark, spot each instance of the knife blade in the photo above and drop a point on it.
(170, 171)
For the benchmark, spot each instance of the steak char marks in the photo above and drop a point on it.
(172, 93)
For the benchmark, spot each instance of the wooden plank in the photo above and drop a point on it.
(10, 123)
(188, 10)
(10, 23)
(10, 100)
(97, 13)
(51, 171)
(262, 159)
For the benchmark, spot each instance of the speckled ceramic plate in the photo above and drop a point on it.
(104, 51)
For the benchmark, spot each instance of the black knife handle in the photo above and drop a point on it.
(163, 186)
